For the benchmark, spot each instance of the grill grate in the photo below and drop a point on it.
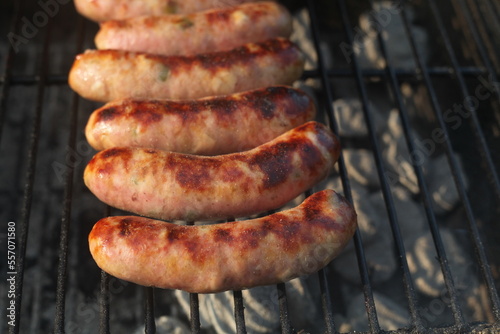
(58, 282)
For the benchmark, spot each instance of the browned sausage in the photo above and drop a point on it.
(105, 75)
(170, 186)
(228, 256)
(208, 126)
(105, 10)
(208, 31)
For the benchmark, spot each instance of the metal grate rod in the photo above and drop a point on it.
(326, 302)
(104, 304)
(195, 313)
(239, 315)
(59, 318)
(486, 270)
(428, 206)
(463, 87)
(194, 307)
(400, 72)
(479, 43)
(150, 325)
(496, 11)
(393, 220)
(30, 180)
(286, 326)
(360, 254)
(7, 76)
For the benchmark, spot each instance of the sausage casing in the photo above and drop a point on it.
(105, 10)
(205, 126)
(105, 75)
(174, 186)
(227, 256)
(201, 32)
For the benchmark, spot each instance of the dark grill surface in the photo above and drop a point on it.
(447, 102)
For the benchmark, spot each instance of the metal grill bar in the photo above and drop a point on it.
(150, 326)
(479, 248)
(393, 220)
(30, 180)
(365, 280)
(402, 73)
(239, 315)
(445, 268)
(194, 308)
(480, 42)
(59, 319)
(496, 10)
(104, 304)
(7, 76)
(195, 313)
(490, 11)
(326, 302)
(286, 326)
(478, 132)
(64, 232)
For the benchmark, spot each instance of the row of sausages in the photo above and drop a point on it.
(201, 123)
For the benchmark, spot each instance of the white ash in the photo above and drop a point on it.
(399, 167)
(360, 165)
(426, 269)
(376, 234)
(390, 314)
(411, 218)
(429, 279)
(303, 37)
(442, 185)
(380, 261)
(370, 220)
(167, 325)
(350, 117)
(434, 165)
(386, 18)
(261, 308)
(436, 172)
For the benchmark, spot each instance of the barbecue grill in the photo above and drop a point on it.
(445, 99)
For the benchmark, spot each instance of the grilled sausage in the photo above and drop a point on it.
(105, 75)
(227, 256)
(209, 31)
(204, 126)
(105, 10)
(174, 186)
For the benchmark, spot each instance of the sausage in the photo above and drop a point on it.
(105, 75)
(227, 256)
(202, 32)
(175, 186)
(205, 126)
(105, 10)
